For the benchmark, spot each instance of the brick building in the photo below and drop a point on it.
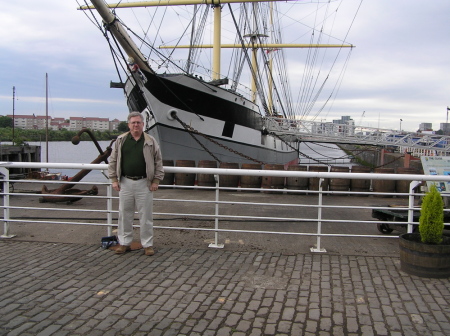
(71, 124)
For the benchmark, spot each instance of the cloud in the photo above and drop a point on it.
(64, 100)
(398, 69)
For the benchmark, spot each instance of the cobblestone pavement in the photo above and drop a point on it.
(72, 289)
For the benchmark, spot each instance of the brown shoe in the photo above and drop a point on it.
(122, 249)
(149, 251)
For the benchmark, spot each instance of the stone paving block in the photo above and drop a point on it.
(50, 330)
(40, 317)
(393, 323)
(8, 317)
(314, 314)
(239, 308)
(364, 320)
(38, 327)
(288, 314)
(64, 320)
(270, 329)
(338, 331)
(377, 315)
(224, 331)
(104, 323)
(20, 329)
(254, 305)
(325, 324)
(311, 326)
(300, 317)
(14, 322)
(207, 292)
(352, 325)
(380, 328)
(73, 325)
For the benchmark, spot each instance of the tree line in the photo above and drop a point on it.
(21, 136)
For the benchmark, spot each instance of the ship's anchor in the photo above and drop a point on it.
(67, 189)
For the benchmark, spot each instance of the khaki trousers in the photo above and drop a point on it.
(135, 195)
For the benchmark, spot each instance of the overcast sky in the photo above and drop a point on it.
(400, 68)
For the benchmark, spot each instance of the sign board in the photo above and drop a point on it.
(437, 165)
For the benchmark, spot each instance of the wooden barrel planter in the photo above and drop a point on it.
(384, 186)
(339, 184)
(297, 183)
(314, 181)
(273, 182)
(402, 186)
(206, 180)
(360, 185)
(424, 260)
(168, 177)
(251, 181)
(229, 181)
(185, 178)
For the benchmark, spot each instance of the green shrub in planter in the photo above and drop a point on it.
(431, 221)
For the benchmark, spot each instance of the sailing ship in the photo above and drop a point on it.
(207, 116)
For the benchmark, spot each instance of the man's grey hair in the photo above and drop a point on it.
(135, 114)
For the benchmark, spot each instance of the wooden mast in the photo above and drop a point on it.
(132, 50)
(217, 42)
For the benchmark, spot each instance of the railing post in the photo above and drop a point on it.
(319, 220)
(412, 186)
(5, 182)
(216, 217)
(109, 208)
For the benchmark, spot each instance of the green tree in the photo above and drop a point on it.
(5, 121)
(27, 135)
(431, 221)
(123, 127)
(19, 141)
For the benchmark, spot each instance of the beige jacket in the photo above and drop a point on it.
(152, 156)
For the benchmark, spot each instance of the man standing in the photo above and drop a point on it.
(135, 168)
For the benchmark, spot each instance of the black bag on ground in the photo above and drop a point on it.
(107, 242)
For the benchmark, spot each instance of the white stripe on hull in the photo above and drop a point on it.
(177, 144)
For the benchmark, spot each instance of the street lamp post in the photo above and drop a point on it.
(401, 124)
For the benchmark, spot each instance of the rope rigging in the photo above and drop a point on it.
(282, 103)
(258, 31)
(305, 109)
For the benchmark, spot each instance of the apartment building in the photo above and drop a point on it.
(71, 124)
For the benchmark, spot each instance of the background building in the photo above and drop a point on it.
(445, 127)
(345, 125)
(426, 127)
(71, 124)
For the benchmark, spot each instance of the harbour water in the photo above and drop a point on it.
(326, 153)
(66, 152)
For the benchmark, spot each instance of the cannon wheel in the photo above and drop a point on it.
(384, 228)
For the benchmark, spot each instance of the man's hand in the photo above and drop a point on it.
(116, 186)
(154, 186)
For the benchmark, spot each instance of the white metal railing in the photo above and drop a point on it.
(218, 203)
